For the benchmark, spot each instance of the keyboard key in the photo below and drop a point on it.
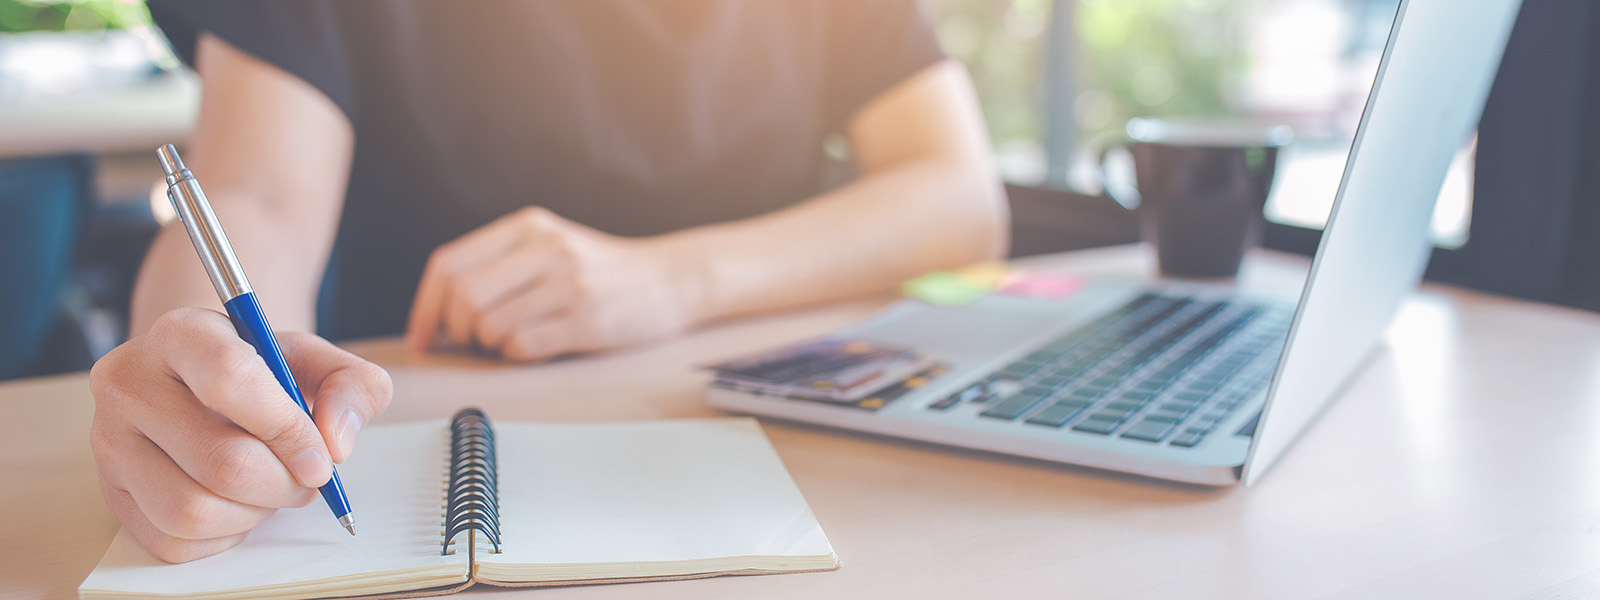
(1148, 430)
(1017, 371)
(1148, 387)
(1171, 371)
(1039, 388)
(1188, 439)
(1013, 407)
(1079, 365)
(1122, 406)
(970, 394)
(1075, 402)
(1040, 356)
(1137, 396)
(1084, 393)
(1117, 346)
(1118, 371)
(946, 403)
(1062, 345)
(1055, 381)
(1092, 425)
(1180, 407)
(1111, 414)
(1159, 381)
(1057, 414)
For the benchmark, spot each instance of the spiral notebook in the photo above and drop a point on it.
(441, 506)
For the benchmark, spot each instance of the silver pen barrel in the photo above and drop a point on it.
(194, 211)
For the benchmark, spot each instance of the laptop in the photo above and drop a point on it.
(1192, 382)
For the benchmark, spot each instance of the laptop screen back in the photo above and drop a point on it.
(1426, 100)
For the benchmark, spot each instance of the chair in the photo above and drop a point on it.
(44, 203)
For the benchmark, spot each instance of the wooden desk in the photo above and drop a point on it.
(1464, 462)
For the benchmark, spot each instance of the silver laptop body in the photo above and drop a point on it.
(1283, 361)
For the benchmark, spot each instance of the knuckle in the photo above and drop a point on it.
(491, 331)
(100, 440)
(566, 250)
(378, 377)
(517, 347)
(581, 287)
(228, 466)
(379, 385)
(473, 294)
(448, 278)
(107, 382)
(107, 457)
(236, 368)
(193, 516)
(442, 260)
(288, 433)
(536, 215)
(187, 322)
(518, 352)
(172, 550)
(170, 320)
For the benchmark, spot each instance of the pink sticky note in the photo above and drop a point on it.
(1050, 286)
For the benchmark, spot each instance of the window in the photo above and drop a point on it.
(1059, 79)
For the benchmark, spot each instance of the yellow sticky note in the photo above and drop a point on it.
(944, 288)
(990, 274)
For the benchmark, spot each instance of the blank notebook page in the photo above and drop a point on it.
(581, 501)
(395, 484)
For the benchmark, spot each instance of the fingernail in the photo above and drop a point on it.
(311, 467)
(350, 424)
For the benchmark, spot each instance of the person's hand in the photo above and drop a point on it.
(197, 443)
(533, 285)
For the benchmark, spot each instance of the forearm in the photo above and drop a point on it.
(274, 156)
(284, 269)
(867, 237)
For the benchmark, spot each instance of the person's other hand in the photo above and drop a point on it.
(533, 285)
(197, 443)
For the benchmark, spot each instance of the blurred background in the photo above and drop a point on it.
(88, 88)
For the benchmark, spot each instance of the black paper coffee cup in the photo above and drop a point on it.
(1202, 190)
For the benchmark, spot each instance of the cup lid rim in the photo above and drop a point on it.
(1217, 133)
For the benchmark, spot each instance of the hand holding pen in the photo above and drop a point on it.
(197, 439)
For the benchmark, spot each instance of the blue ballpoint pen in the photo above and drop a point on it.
(237, 296)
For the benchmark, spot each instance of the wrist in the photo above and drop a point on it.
(688, 273)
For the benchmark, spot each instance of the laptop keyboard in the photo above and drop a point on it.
(1159, 369)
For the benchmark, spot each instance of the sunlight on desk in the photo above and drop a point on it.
(1460, 463)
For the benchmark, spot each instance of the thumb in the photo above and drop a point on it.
(345, 392)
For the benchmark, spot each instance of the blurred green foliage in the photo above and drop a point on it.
(1161, 58)
(1134, 58)
(18, 16)
(1002, 44)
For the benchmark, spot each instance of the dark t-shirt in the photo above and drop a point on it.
(633, 117)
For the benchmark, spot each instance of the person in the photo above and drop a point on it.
(530, 179)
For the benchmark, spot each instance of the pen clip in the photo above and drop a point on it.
(173, 199)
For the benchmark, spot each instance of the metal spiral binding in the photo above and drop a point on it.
(471, 499)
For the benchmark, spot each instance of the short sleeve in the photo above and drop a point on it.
(873, 45)
(302, 37)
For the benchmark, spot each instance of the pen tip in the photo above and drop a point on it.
(350, 528)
